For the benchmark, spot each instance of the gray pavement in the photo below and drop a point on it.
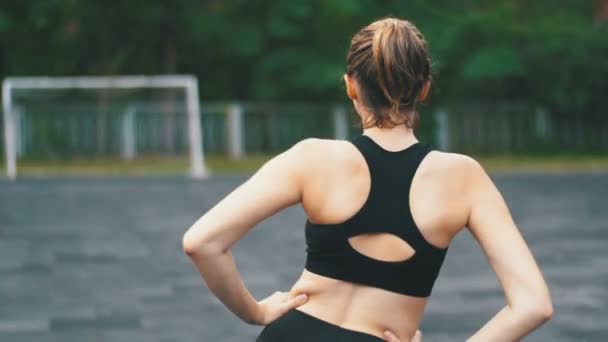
(101, 260)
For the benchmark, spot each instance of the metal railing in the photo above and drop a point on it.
(240, 129)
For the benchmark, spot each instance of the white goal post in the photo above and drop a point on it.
(186, 82)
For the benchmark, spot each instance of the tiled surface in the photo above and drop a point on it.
(100, 260)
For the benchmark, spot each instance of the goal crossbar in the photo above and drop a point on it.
(188, 82)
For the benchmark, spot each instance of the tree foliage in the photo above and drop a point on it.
(547, 52)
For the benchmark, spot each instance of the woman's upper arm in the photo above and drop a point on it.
(491, 224)
(276, 185)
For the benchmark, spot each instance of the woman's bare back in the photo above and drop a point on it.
(336, 188)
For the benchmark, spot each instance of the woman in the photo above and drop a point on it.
(382, 210)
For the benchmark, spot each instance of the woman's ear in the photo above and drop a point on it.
(424, 92)
(351, 90)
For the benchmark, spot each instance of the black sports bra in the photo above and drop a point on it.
(386, 210)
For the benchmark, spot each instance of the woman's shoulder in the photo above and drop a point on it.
(321, 143)
(327, 150)
(317, 152)
(450, 164)
(315, 157)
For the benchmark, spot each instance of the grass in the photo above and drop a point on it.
(143, 166)
(544, 163)
(159, 166)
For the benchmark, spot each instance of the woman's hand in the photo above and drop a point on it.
(390, 337)
(276, 305)
(279, 303)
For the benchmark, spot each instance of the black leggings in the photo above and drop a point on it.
(297, 326)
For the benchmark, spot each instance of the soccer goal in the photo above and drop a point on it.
(122, 120)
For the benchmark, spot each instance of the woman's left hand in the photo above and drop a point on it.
(276, 305)
(390, 337)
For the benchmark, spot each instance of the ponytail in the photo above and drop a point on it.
(389, 59)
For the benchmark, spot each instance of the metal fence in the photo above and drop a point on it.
(239, 129)
(470, 128)
(64, 132)
(519, 129)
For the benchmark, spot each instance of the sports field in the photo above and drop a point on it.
(101, 260)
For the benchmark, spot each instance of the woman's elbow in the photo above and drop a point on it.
(196, 243)
(545, 311)
(189, 244)
(538, 311)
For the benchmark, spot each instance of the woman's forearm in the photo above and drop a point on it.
(510, 324)
(220, 273)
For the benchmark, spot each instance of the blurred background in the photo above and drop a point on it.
(519, 85)
(511, 78)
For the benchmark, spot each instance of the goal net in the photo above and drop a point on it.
(104, 125)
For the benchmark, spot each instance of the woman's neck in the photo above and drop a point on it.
(395, 138)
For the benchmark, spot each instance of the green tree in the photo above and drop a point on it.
(550, 53)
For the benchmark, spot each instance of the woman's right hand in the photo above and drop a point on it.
(276, 305)
(390, 337)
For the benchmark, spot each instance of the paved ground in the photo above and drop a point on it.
(100, 260)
